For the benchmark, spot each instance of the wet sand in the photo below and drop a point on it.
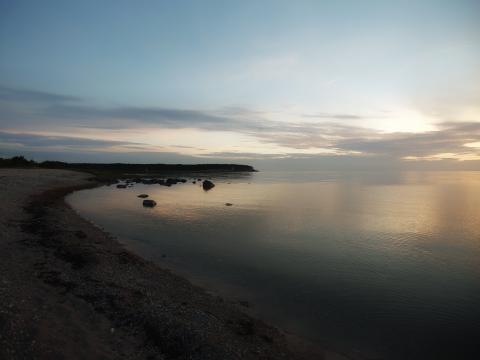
(68, 290)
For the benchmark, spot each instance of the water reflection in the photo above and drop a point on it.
(381, 264)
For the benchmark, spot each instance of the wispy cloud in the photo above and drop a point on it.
(450, 137)
(29, 141)
(25, 95)
(25, 107)
(29, 111)
(339, 116)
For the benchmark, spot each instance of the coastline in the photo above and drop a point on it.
(99, 300)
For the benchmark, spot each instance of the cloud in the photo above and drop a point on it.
(28, 111)
(31, 108)
(244, 155)
(311, 135)
(23, 95)
(339, 116)
(33, 141)
(450, 137)
(159, 116)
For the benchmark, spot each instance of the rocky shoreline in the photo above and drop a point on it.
(70, 291)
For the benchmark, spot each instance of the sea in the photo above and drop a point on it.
(374, 265)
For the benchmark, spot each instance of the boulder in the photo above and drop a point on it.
(207, 185)
(149, 203)
(143, 196)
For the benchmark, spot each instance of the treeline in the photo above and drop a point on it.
(145, 168)
(20, 161)
(16, 162)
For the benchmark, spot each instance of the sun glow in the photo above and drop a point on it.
(407, 121)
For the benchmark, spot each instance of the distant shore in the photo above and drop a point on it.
(115, 170)
(69, 290)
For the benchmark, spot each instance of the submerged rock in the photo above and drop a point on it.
(143, 196)
(149, 203)
(207, 185)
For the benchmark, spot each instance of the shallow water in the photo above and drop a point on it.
(380, 265)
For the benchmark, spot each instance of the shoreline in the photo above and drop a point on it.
(126, 306)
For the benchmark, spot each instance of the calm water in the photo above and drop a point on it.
(383, 266)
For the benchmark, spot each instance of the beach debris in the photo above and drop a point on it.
(143, 196)
(245, 327)
(244, 303)
(228, 204)
(149, 203)
(207, 185)
(121, 186)
(80, 234)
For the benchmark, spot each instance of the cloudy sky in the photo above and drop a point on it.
(264, 82)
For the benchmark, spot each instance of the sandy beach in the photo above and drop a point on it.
(68, 290)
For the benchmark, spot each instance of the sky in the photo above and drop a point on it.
(277, 84)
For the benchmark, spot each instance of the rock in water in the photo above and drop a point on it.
(207, 185)
(143, 196)
(149, 203)
(121, 186)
